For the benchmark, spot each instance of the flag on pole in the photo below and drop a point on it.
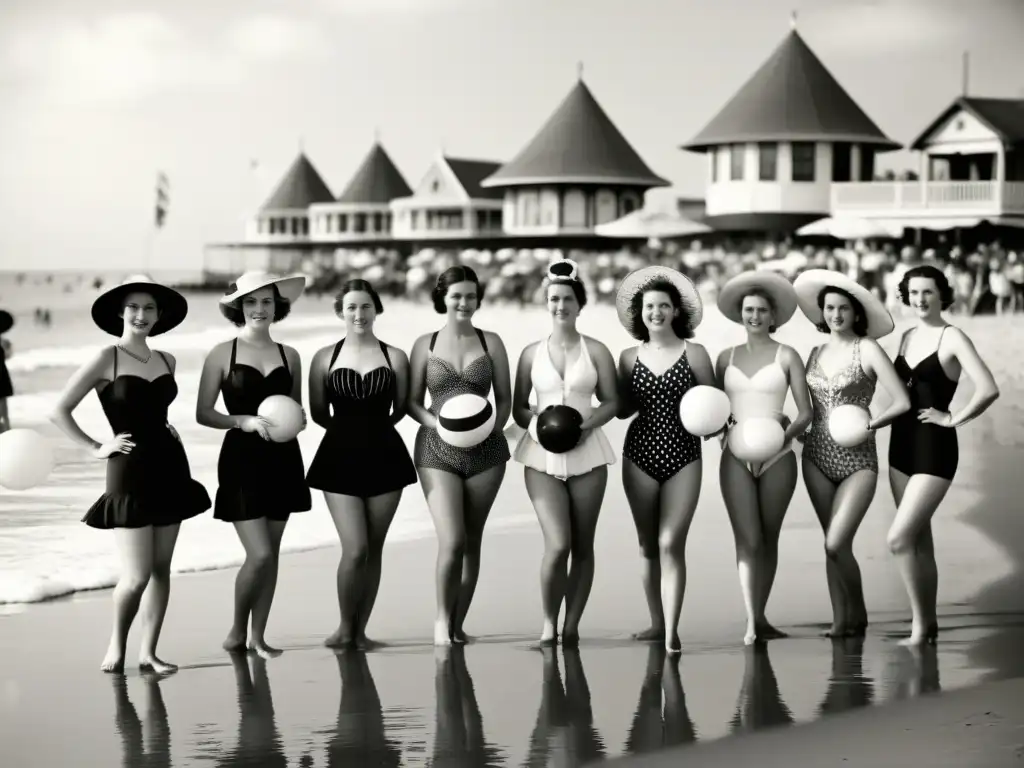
(163, 198)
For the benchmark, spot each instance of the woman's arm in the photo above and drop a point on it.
(295, 365)
(986, 391)
(81, 382)
(418, 383)
(502, 382)
(700, 364)
(607, 386)
(400, 366)
(209, 390)
(522, 414)
(878, 363)
(797, 376)
(627, 359)
(319, 407)
(720, 366)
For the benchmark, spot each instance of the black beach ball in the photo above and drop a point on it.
(558, 428)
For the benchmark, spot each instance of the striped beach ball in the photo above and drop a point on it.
(465, 420)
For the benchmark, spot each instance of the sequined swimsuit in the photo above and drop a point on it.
(656, 440)
(851, 386)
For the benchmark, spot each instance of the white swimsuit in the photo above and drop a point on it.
(762, 395)
(576, 391)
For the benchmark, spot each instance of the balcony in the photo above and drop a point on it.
(899, 199)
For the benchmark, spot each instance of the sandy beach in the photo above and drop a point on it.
(503, 702)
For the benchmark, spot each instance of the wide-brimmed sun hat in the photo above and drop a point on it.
(808, 285)
(6, 321)
(289, 286)
(107, 309)
(638, 282)
(783, 296)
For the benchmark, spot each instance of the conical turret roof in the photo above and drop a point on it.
(792, 97)
(578, 144)
(300, 187)
(376, 181)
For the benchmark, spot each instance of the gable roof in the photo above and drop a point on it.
(377, 180)
(792, 97)
(300, 187)
(470, 174)
(1005, 118)
(580, 144)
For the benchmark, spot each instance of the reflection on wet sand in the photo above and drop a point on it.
(760, 704)
(459, 731)
(848, 687)
(564, 732)
(653, 726)
(914, 671)
(146, 741)
(359, 738)
(258, 744)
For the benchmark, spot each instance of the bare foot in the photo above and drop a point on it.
(548, 634)
(441, 636)
(766, 631)
(459, 637)
(339, 639)
(363, 643)
(152, 664)
(649, 635)
(836, 630)
(570, 638)
(751, 637)
(113, 662)
(264, 651)
(674, 646)
(234, 642)
(918, 637)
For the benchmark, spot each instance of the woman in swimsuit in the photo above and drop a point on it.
(566, 489)
(150, 489)
(357, 392)
(842, 481)
(661, 461)
(260, 482)
(923, 452)
(757, 376)
(6, 390)
(460, 484)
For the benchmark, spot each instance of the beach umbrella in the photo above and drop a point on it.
(850, 228)
(647, 224)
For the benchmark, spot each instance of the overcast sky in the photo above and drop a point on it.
(96, 96)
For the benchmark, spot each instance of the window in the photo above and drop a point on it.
(736, 164)
(842, 164)
(713, 154)
(803, 160)
(768, 156)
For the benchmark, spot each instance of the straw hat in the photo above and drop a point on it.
(730, 298)
(637, 281)
(289, 286)
(809, 285)
(6, 321)
(107, 309)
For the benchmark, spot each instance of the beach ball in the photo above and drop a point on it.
(465, 421)
(848, 425)
(756, 439)
(26, 459)
(704, 410)
(558, 428)
(284, 415)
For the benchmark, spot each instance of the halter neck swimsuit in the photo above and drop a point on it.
(444, 382)
(576, 390)
(361, 453)
(152, 485)
(762, 395)
(850, 386)
(656, 440)
(257, 478)
(917, 448)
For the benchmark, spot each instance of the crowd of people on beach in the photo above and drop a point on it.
(361, 387)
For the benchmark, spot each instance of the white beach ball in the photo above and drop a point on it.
(704, 410)
(26, 459)
(756, 439)
(466, 420)
(848, 425)
(285, 416)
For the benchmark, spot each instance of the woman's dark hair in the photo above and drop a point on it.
(761, 293)
(681, 325)
(935, 274)
(450, 277)
(860, 318)
(357, 284)
(559, 274)
(233, 311)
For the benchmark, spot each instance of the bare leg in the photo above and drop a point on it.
(774, 492)
(739, 491)
(135, 546)
(158, 593)
(853, 497)
(349, 516)
(5, 419)
(251, 576)
(678, 503)
(821, 492)
(586, 493)
(551, 502)
(643, 493)
(380, 511)
(479, 494)
(444, 495)
(265, 596)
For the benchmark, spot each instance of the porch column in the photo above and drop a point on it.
(924, 176)
(855, 162)
(1000, 176)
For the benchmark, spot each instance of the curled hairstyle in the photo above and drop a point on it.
(450, 277)
(564, 273)
(931, 273)
(761, 293)
(357, 284)
(233, 311)
(860, 318)
(681, 323)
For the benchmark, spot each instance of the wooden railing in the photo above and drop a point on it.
(987, 196)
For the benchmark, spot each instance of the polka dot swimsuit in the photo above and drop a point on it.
(656, 440)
